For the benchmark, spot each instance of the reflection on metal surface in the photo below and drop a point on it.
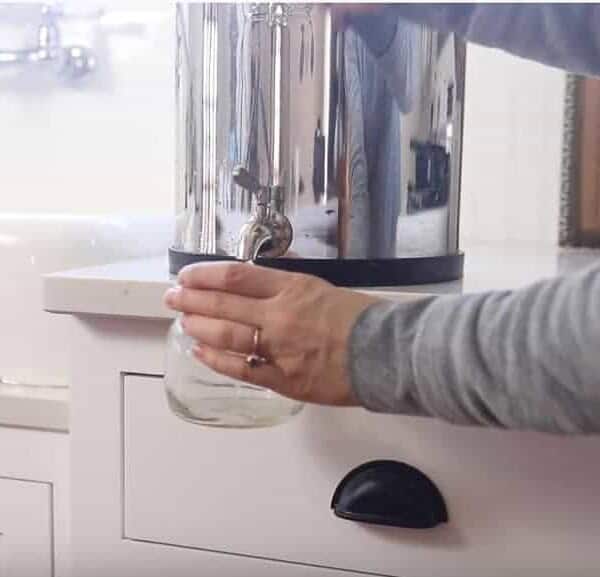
(351, 124)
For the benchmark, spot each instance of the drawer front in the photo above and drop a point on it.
(519, 504)
(25, 529)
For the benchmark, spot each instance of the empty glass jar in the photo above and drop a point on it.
(200, 395)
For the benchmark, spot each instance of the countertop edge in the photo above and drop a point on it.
(104, 297)
(93, 295)
(33, 412)
(135, 288)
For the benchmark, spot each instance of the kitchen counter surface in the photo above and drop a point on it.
(134, 288)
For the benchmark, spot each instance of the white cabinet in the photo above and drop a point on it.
(34, 490)
(26, 540)
(263, 493)
(266, 493)
(109, 420)
(153, 495)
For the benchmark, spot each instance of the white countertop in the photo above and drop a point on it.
(134, 288)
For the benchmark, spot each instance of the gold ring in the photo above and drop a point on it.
(254, 359)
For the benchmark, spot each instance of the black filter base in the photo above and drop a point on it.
(349, 272)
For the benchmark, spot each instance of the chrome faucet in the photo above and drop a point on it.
(75, 61)
(269, 232)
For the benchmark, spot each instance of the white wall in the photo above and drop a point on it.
(104, 145)
(512, 149)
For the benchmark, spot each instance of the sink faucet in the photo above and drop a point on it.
(268, 233)
(74, 60)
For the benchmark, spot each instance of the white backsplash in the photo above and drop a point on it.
(512, 149)
(101, 145)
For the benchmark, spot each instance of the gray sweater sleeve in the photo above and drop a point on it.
(528, 359)
(561, 35)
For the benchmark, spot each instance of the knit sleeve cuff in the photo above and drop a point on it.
(380, 365)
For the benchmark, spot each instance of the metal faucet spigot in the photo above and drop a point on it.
(269, 232)
(74, 61)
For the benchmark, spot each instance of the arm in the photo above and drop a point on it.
(527, 359)
(561, 35)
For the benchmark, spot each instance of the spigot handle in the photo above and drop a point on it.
(243, 178)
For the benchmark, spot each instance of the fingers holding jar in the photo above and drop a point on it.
(297, 326)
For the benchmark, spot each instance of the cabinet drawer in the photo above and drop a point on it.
(25, 529)
(519, 504)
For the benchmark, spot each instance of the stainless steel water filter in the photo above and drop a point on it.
(318, 139)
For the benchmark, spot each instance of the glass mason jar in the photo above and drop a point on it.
(200, 395)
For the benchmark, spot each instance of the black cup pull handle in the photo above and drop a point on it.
(389, 493)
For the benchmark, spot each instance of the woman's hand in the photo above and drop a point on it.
(304, 324)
